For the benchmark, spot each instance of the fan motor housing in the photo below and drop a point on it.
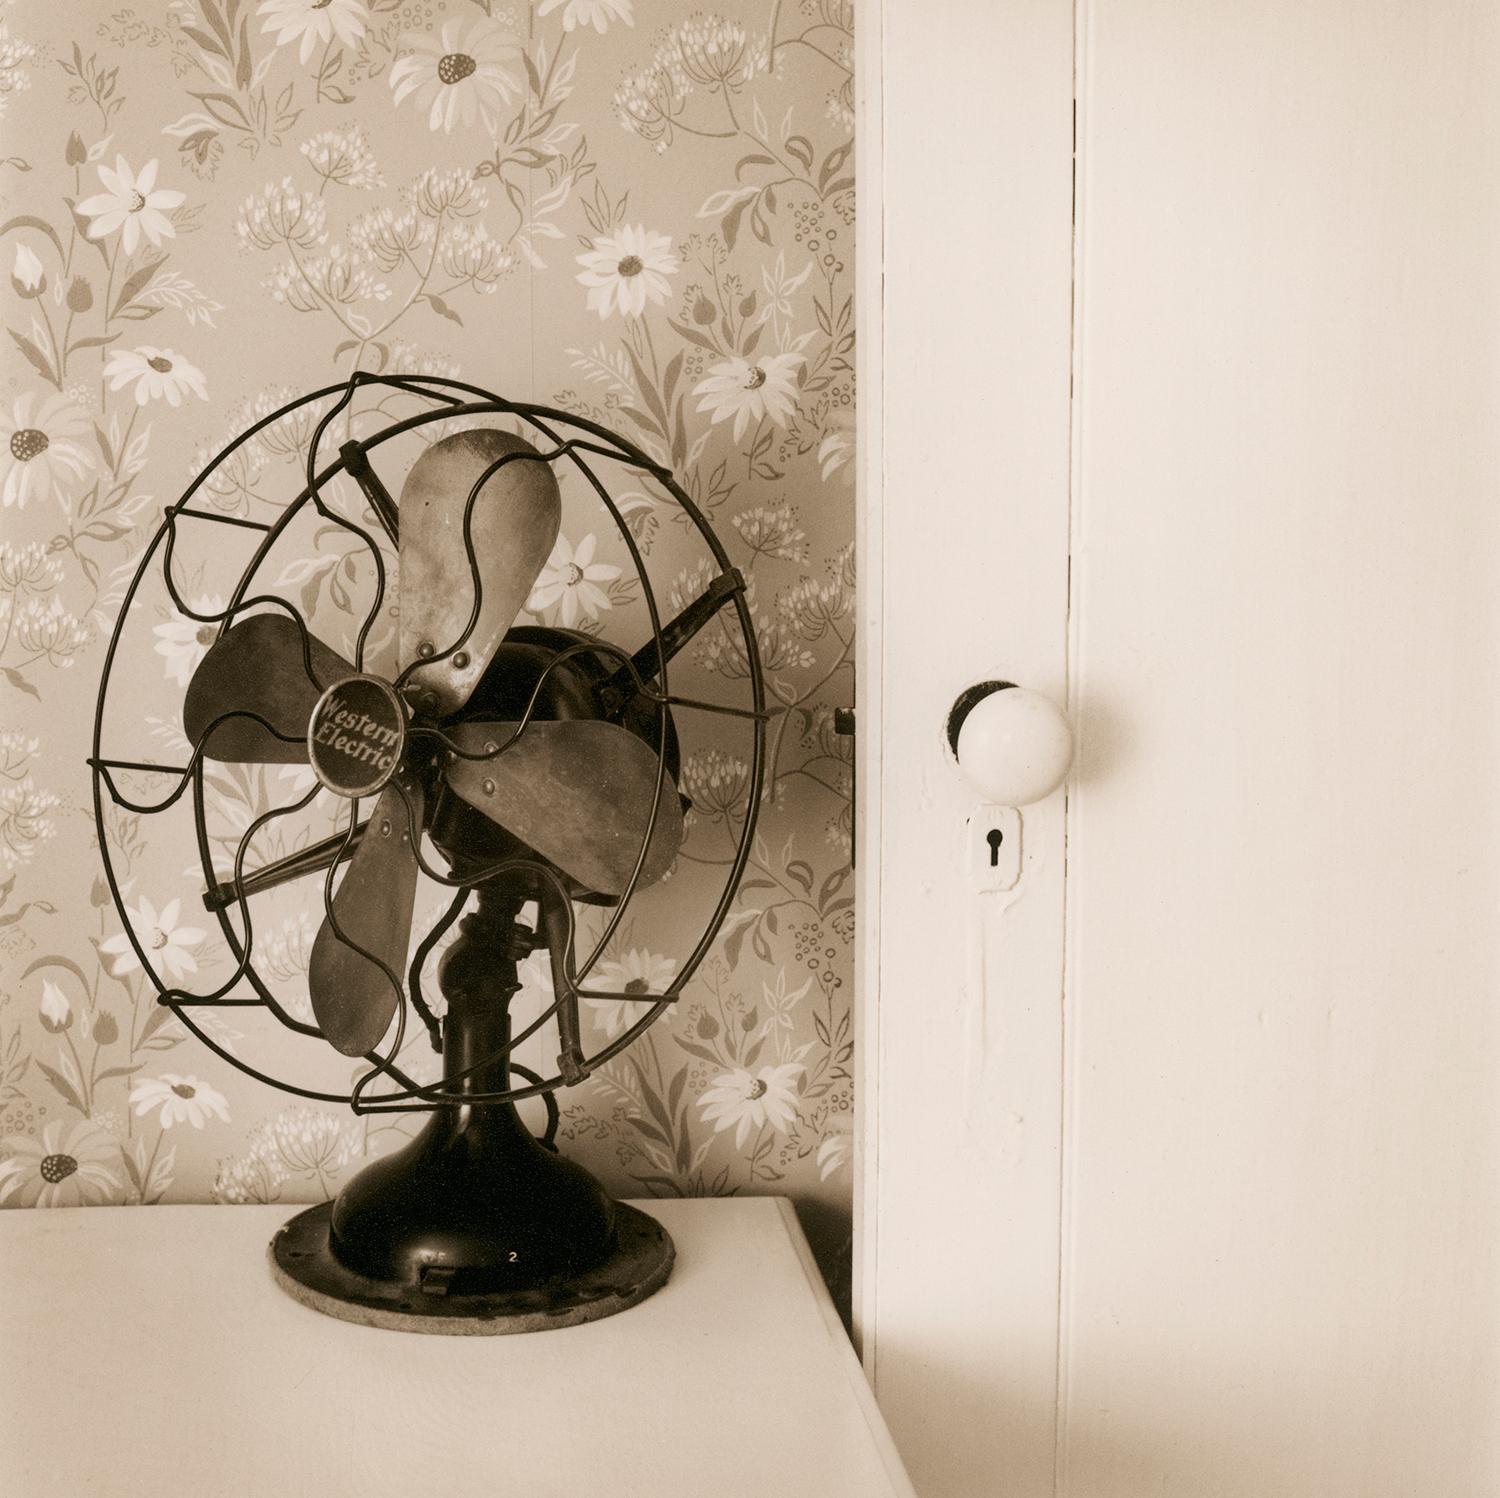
(568, 690)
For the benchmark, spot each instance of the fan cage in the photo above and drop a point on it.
(453, 399)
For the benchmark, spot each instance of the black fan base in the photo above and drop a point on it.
(474, 1226)
(303, 1264)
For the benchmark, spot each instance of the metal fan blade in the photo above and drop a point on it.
(257, 666)
(513, 527)
(578, 792)
(352, 997)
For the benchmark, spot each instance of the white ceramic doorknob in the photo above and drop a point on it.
(1013, 744)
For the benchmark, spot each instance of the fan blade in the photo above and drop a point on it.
(257, 666)
(578, 791)
(513, 527)
(352, 998)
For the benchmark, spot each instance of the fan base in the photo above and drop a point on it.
(303, 1264)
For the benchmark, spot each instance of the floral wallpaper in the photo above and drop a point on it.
(632, 209)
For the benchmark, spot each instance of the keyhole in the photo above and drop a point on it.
(994, 837)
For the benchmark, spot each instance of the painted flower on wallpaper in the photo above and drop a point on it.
(638, 971)
(454, 191)
(835, 1148)
(746, 1101)
(28, 275)
(55, 1010)
(595, 13)
(337, 279)
(307, 1142)
(246, 1180)
(183, 642)
(314, 23)
(168, 942)
(571, 580)
(474, 257)
(15, 56)
(30, 568)
(180, 1099)
(702, 51)
(287, 950)
(44, 454)
(280, 213)
(717, 53)
(67, 1167)
(750, 392)
(772, 531)
(154, 373)
(44, 628)
(717, 784)
(134, 203)
(626, 270)
(299, 1142)
(460, 75)
(16, 749)
(343, 157)
(836, 449)
(26, 821)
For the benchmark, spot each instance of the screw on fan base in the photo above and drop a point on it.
(475, 1226)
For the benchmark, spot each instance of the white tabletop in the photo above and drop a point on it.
(146, 1351)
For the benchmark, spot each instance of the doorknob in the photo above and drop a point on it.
(1013, 744)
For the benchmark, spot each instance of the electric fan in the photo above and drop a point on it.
(541, 764)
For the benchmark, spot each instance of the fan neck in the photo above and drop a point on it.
(478, 978)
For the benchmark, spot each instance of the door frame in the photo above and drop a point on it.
(964, 303)
(869, 514)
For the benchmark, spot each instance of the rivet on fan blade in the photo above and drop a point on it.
(426, 648)
(461, 659)
(489, 787)
(385, 827)
(491, 747)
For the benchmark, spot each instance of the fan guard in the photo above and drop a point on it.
(475, 1225)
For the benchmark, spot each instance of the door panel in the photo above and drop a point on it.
(1283, 879)
(1181, 1171)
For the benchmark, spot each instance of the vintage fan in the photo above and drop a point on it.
(539, 763)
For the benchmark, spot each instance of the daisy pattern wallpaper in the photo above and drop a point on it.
(634, 210)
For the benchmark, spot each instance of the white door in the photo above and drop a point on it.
(1181, 1162)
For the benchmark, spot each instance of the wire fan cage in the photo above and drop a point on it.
(643, 676)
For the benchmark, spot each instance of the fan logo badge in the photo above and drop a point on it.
(356, 735)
